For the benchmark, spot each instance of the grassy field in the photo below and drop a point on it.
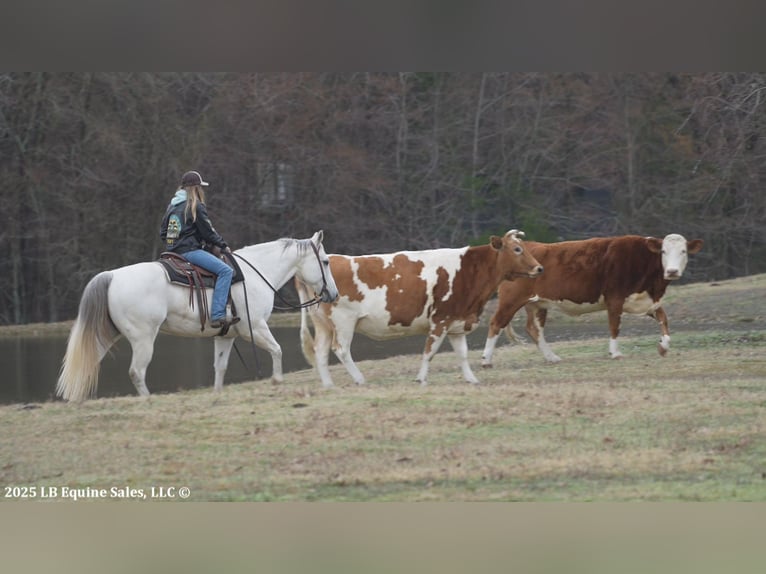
(691, 426)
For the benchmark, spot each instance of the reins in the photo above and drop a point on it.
(314, 301)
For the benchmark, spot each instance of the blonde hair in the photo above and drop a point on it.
(195, 195)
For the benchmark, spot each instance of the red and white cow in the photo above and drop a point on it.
(620, 274)
(438, 292)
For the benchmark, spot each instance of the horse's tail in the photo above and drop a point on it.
(307, 341)
(92, 334)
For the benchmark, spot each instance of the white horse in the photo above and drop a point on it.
(137, 302)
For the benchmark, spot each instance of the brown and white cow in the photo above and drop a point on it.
(620, 274)
(438, 292)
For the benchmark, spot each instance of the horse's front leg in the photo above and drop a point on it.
(222, 350)
(265, 340)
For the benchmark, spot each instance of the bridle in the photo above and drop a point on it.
(315, 301)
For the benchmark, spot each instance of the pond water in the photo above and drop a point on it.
(30, 365)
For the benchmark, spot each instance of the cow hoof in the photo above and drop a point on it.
(661, 350)
(617, 356)
(487, 366)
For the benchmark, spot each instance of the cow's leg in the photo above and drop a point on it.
(662, 318)
(460, 346)
(342, 350)
(322, 344)
(536, 317)
(614, 312)
(433, 342)
(500, 320)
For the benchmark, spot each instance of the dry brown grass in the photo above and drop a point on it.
(691, 426)
(688, 427)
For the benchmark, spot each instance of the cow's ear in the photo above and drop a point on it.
(694, 245)
(654, 244)
(496, 242)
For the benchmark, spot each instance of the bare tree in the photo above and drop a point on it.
(381, 161)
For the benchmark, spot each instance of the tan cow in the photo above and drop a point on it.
(438, 292)
(620, 274)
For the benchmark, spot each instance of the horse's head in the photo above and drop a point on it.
(314, 270)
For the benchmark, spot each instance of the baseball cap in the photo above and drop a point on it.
(192, 178)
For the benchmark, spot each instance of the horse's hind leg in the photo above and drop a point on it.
(143, 349)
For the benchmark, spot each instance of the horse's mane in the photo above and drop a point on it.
(303, 245)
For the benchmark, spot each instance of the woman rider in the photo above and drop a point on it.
(186, 228)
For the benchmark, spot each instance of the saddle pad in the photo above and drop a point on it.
(178, 271)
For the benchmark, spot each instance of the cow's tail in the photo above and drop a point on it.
(513, 335)
(307, 341)
(93, 333)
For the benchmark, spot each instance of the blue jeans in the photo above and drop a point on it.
(208, 261)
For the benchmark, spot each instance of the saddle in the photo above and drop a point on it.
(181, 272)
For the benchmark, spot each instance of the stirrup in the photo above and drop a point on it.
(224, 324)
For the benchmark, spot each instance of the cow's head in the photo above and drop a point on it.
(514, 260)
(675, 252)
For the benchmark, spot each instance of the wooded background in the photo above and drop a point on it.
(380, 161)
